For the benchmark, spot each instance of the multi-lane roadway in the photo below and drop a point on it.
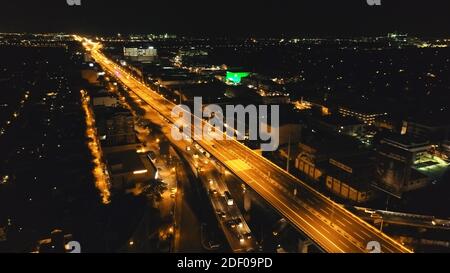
(329, 225)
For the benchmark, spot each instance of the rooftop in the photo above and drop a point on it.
(327, 143)
(124, 162)
(361, 161)
(338, 120)
(405, 141)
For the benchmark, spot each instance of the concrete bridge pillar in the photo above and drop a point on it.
(303, 245)
(247, 202)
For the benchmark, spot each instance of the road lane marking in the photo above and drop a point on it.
(138, 86)
(359, 236)
(340, 223)
(298, 216)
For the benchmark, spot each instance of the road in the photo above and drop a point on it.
(237, 237)
(330, 226)
(403, 219)
(235, 228)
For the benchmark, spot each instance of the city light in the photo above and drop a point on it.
(140, 172)
(235, 139)
(101, 177)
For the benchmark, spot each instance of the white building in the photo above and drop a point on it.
(140, 54)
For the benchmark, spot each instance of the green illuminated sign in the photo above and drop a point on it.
(236, 77)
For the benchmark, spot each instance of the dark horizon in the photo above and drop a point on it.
(230, 19)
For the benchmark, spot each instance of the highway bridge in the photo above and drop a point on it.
(330, 226)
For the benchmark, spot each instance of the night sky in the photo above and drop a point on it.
(429, 18)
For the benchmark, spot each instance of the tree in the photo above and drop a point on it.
(154, 190)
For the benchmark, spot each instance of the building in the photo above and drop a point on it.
(396, 158)
(316, 148)
(169, 76)
(351, 177)
(388, 123)
(192, 52)
(234, 77)
(107, 101)
(91, 75)
(436, 132)
(365, 116)
(289, 132)
(115, 126)
(140, 54)
(276, 99)
(103, 98)
(285, 126)
(347, 125)
(417, 147)
(126, 167)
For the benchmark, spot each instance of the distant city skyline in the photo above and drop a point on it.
(252, 18)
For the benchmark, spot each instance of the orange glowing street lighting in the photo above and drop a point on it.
(101, 178)
(140, 172)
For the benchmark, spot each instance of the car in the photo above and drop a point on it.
(221, 214)
(231, 224)
(241, 238)
(248, 235)
(238, 222)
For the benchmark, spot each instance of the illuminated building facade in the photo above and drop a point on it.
(396, 158)
(235, 78)
(367, 118)
(350, 178)
(147, 54)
